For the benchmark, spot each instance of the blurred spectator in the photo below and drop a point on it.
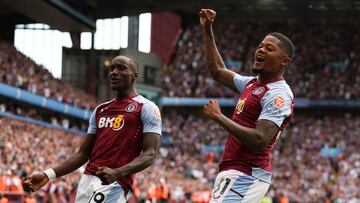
(3, 199)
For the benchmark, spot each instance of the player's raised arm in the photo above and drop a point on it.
(214, 61)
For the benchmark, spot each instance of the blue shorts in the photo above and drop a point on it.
(235, 186)
(90, 190)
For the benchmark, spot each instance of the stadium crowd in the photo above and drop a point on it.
(20, 71)
(26, 147)
(189, 155)
(298, 176)
(323, 67)
(305, 170)
(316, 159)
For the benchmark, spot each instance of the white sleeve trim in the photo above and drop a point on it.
(151, 118)
(276, 106)
(92, 123)
(241, 81)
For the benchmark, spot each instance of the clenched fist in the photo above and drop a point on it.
(35, 181)
(207, 17)
(107, 175)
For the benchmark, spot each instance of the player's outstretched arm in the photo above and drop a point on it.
(213, 59)
(256, 138)
(38, 179)
(151, 143)
(78, 159)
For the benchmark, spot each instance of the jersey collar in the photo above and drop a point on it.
(270, 81)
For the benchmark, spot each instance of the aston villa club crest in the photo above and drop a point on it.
(258, 90)
(131, 107)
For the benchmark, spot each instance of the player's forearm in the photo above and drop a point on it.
(213, 57)
(138, 164)
(248, 136)
(71, 164)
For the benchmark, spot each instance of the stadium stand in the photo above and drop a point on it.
(322, 67)
(20, 71)
(39, 115)
(316, 159)
(312, 161)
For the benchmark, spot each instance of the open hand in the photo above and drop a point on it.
(212, 109)
(207, 17)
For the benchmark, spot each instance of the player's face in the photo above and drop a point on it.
(269, 57)
(122, 73)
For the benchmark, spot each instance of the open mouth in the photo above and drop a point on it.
(259, 58)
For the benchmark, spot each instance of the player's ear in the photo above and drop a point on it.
(136, 75)
(285, 61)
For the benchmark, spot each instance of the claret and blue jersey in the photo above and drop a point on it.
(119, 126)
(272, 101)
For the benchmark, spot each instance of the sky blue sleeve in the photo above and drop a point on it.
(92, 124)
(276, 106)
(240, 81)
(151, 118)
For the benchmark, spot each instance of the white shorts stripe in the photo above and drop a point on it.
(114, 194)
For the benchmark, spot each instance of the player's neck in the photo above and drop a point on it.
(131, 92)
(268, 78)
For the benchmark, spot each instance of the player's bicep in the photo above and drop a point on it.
(267, 129)
(151, 143)
(87, 145)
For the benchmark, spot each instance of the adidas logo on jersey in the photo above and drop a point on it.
(116, 123)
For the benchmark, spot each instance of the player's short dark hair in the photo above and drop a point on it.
(132, 60)
(286, 43)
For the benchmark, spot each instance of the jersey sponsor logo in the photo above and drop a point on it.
(259, 90)
(279, 101)
(240, 106)
(155, 122)
(131, 107)
(273, 110)
(157, 113)
(116, 123)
